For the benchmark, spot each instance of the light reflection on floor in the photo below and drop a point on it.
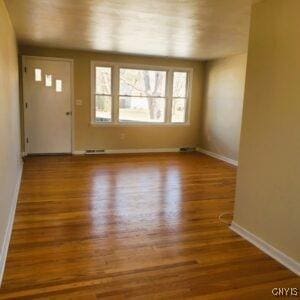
(146, 198)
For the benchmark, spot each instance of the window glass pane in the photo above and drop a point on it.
(103, 108)
(48, 80)
(178, 110)
(58, 86)
(38, 74)
(179, 84)
(103, 80)
(141, 109)
(142, 83)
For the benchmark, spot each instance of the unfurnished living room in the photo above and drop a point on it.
(149, 149)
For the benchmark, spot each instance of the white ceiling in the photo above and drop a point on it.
(193, 29)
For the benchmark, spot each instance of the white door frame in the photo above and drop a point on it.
(26, 130)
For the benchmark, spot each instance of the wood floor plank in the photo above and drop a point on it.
(132, 227)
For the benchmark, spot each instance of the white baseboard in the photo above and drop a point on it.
(218, 156)
(125, 151)
(279, 256)
(8, 231)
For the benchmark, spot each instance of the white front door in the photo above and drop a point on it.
(47, 105)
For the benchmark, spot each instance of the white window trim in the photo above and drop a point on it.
(115, 94)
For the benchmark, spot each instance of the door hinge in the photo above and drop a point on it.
(27, 141)
(26, 105)
(25, 69)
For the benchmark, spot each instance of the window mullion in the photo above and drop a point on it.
(93, 88)
(169, 95)
(115, 94)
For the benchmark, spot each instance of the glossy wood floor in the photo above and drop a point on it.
(132, 226)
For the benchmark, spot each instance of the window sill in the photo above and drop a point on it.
(94, 124)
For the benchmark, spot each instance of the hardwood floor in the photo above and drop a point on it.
(132, 227)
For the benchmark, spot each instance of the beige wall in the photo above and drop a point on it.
(223, 105)
(268, 185)
(89, 137)
(10, 158)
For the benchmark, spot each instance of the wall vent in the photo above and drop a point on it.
(187, 149)
(94, 151)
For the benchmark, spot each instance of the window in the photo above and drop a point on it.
(48, 80)
(142, 95)
(38, 74)
(103, 94)
(123, 94)
(58, 86)
(179, 97)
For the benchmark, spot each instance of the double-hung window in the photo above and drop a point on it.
(123, 94)
(103, 94)
(179, 97)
